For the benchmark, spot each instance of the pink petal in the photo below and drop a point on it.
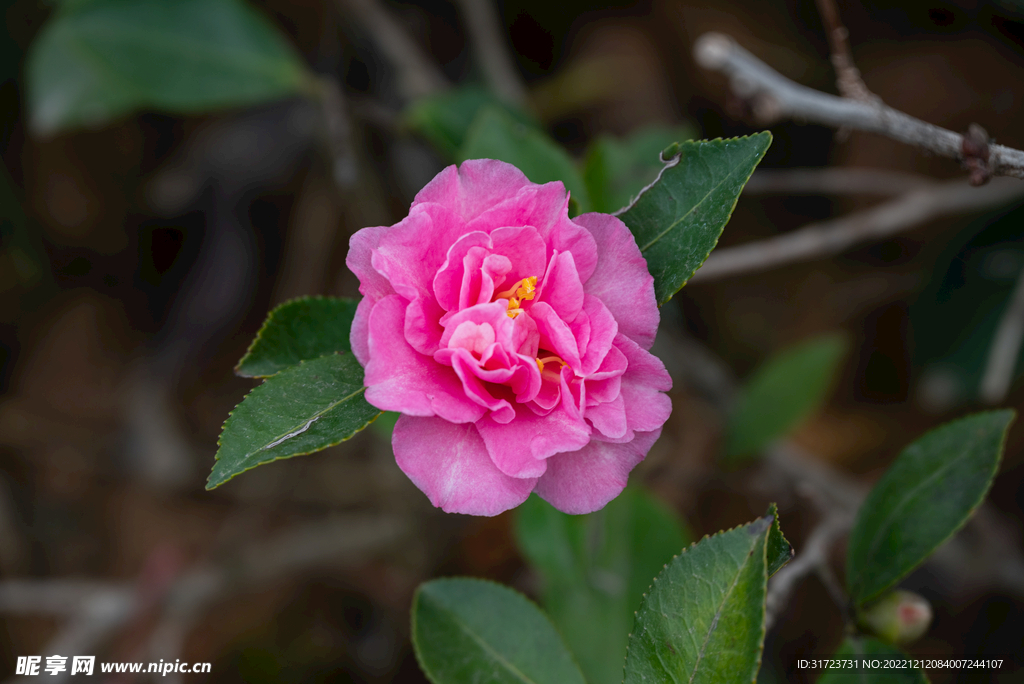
(603, 329)
(422, 330)
(561, 288)
(555, 334)
(519, 448)
(621, 279)
(609, 418)
(450, 464)
(398, 378)
(585, 481)
(447, 282)
(411, 252)
(643, 384)
(360, 332)
(474, 187)
(360, 247)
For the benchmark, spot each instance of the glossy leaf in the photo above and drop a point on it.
(299, 330)
(677, 219)
(616, 170)
(495, 134)
(469, 630)
(703, 619)
(99, 60)
(444, 119)
(783, 393)
(300, 410)
(927, 494)
(872, 649)
(595, 570)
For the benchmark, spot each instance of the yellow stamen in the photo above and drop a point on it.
(549, 359)
(522, 290)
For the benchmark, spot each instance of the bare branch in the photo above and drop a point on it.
(848, 78)
(774, 96)
(813, 557)
(489, 43)
(417, 75)
(827, 238)
(1002, 355)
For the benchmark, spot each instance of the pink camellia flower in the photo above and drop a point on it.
(513, 340)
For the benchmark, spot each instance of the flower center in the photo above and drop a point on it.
(518, 293)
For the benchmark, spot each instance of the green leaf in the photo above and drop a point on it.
(677, 220)
(100, 60)
(783, 393)
(923, 498)
(469, 630)
(872, 649)
(300, 410)
(703, 619)
(616, 170)
(596, 568)
(495, 134)
(299, 330)
(779, 551)
(444, 119)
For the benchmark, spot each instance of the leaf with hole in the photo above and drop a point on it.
(596, 568)
(703, 618)
(470, 630)
(495, 134)
(616, 170)
(925, 496)
(678, 219)
(783, 393)
(100, 60)
(299, 330)
(302, 409)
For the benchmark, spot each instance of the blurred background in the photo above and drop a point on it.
(141, 248)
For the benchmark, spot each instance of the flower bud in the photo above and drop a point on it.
(899, 617)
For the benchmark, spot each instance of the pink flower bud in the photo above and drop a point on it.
(899, 617)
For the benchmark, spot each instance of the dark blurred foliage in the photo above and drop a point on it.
(151, 249)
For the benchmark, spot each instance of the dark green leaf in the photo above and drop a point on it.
(617, 170)
(923, 498)
(469, 630)
(299, 330)
(703, 619)
(596, 569)
(99, 60)
(780, 551)
(495, 134)
(783, 393)
(872, 649)
(677, 220)
(300, 410)
(444, 119)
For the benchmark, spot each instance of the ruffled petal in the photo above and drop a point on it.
(360, 248)
(474, 187)
(643, 387)
(359, 334)
(621, 279)
(520, 447)
(398, 378)
(450, 464)
(561, 288)
(585, 481)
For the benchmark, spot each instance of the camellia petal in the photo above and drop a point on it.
(450, 464)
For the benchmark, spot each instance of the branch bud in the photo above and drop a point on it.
(899, 617)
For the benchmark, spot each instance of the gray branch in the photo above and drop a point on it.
(774, 96)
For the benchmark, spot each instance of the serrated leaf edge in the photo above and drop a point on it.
(415, 639)
(861, 601)
(266, 323)
(680, 555)
(231, 414)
